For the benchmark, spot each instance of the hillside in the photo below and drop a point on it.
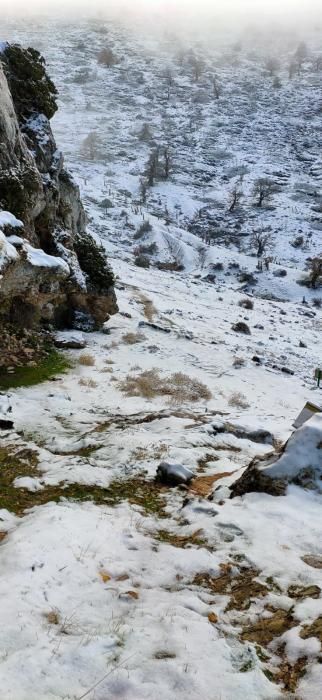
(113, 583)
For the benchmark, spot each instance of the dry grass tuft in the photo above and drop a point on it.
(53, 617)
(238, 400)
(133, 338)
(178, 387)
(90, 383)
(87, 359)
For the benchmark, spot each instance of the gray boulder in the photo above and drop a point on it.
(174, 474)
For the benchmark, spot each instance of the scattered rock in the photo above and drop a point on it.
(73, 341)
(155, 326)
(174, 474)
(6, 424)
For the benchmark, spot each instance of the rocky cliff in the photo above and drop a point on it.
(52, 272)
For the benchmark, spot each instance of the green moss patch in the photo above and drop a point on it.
(48, 367)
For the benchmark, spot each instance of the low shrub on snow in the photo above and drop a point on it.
(238, 400)
(241, 327)
(246, 303)
(178, 387)
(87, 359)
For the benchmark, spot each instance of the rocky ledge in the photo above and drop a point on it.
(52, 272)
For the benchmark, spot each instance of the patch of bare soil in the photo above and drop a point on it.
(288, 675)
(313, 630)
(266, 629)
(312, 560)
(196, 539)
(242, 587)
(300, 592)
(202, 485)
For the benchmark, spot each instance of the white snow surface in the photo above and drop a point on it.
(38, 258)
(8, 219)
(303, 451)
(7, 251)
(70, 627)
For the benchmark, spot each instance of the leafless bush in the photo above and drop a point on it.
(241, 327)
(238, 362)
(178, 387)
(238, 400)
(86, 359)
(89, 383)
(106, 58)
(133, 338)
(264, 188)
(246, 303)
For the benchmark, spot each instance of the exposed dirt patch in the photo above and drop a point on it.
(3, 535)
(301, 592)
(289, 674)
(242, 587)
(313, 630)
(202, 485)
(312, 560)
(196, 539)
(266, 629)
(205, 460)
(149, 309)
(120, 422)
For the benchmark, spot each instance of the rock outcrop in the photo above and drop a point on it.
(52, 272)
(300, 462)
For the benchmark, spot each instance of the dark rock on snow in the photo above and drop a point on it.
(173, 474)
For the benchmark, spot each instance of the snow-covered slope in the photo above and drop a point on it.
(114, 586)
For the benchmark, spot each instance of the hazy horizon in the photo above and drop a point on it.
(173, 10)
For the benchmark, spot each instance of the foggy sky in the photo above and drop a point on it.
(173, 9)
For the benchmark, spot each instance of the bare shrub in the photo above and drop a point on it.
(246, 303)
(314, 266)
(170, 266)
(142, 261)
(86, 359)
(317, 303)
(238, 362)
(145, 227)
(241, 327)
(178, 387)
(149, 249)
(133, 338)
(238, 400)
(106, 58)
(89, 383)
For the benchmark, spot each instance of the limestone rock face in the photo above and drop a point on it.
(77, 290)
